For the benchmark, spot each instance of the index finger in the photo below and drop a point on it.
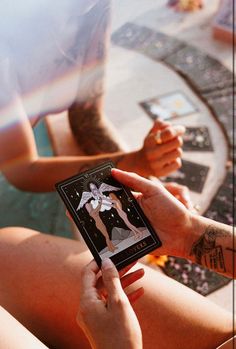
(134, 181)
(89, 279)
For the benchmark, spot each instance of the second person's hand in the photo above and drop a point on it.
(161, 152)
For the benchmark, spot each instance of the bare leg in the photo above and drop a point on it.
(172, 316)
(40, 284)
(100, 226)
(21, 339)
(124, 216)
(86, 118)
(40, 278)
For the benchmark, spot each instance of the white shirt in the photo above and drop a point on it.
(43, 48)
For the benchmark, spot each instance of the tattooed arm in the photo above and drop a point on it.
(212, 245)
(183, 233)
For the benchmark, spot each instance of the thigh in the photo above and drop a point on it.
(172, 316)
(22, 338)
(40, 284)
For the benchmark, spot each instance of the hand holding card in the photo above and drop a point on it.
(167, 215)
(102, 323)
(108, 216)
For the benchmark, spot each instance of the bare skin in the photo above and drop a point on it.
(200, 239)
(19, 159)
(40, 286)
(94, 213)
(117, 316)
(123, 215)
(86, 114)
(25, 169)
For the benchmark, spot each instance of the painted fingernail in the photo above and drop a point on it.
(107, 264)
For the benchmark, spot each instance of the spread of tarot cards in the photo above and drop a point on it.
(108, 217)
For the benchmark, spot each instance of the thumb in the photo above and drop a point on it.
(111, 279)
(159, 125)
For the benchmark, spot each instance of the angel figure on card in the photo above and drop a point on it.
(100, 203)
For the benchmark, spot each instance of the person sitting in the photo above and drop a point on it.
(65, 72)
(46, 285)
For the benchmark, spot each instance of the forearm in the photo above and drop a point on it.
(211, 244)
(41, 174)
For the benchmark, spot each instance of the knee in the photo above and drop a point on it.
(15, 234)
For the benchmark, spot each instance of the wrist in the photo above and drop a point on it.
(128, 161)
(194, 231)
(182, 246)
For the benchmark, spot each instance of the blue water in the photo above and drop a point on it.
(44, 212)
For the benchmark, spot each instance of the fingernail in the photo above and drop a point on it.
(180, 129)
(107, 264)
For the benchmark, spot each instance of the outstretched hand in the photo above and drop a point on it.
(169, 217)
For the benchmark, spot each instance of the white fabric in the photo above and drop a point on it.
(43, 47)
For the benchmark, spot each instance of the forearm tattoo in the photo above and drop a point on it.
(90, 131)
(208, 251)
(86, 114)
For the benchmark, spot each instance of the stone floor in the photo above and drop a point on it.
(133, 77)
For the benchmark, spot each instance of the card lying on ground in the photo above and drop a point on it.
(190, 174)
(197, 139)
(108, 216)
(169, 106)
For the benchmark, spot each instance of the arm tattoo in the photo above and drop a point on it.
(90, 132)
(208, 252)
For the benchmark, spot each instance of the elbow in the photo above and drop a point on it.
(18, 180)
(24, 178)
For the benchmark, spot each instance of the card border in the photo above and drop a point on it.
(156, 240)
(210, 149)
(196, 109)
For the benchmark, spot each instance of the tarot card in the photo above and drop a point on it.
(201, 280)
(224, 108)
(132, 36)
(108, 216)
(190, 174)
(197, 139)
(169, 106)
(155, 45)
(205, 72)
(160, 46)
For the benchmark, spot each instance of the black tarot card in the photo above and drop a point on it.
(190, 174)
(155, 45)
(197, 139)
(132, 36)
(108, 216)
(205, 72)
